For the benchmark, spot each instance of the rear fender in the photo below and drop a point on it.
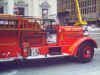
(76, 45)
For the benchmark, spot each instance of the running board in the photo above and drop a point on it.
(7, 59)
(46, 56)
(34, 57)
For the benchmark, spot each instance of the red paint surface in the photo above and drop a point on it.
(14, 41)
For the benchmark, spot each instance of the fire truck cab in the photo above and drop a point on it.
(33, 38)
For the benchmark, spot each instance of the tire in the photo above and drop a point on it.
(85, 52)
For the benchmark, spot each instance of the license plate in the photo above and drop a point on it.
(34, 51)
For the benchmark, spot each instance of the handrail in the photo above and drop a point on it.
(18, 22)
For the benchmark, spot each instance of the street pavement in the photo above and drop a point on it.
(62, 66)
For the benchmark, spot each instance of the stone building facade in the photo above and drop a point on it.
(35, 8)
(90, 10)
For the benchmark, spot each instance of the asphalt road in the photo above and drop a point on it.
(62, 66)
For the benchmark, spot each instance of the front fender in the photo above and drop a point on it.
(76, 45)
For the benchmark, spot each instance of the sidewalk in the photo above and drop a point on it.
(97, 29)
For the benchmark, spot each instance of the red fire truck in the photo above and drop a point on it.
(34, 38)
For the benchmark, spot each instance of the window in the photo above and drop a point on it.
(85, 11)
(94, 9)
(82, 11)
(1, 10)
(45, 13)
(89, 2)
(83, 4)
(19, 11)
(94, 1)
(88, 10)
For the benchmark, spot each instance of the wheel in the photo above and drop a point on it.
(85, 52)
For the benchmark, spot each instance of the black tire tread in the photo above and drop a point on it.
(80, 50)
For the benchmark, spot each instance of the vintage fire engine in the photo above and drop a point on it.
(33, 38)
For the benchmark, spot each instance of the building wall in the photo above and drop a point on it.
(53, 9)
(98, 8)
(9, 6)
(90, 9)
(65, 11)
(31, 7)
(36, 10)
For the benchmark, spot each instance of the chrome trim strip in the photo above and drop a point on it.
(6, 59)
(47, 56)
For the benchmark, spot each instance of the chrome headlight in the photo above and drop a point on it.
(85, 30)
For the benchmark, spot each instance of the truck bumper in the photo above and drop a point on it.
(32, 57)
(7, 59)
(46, 56)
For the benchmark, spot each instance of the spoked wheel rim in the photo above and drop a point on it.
(87, 52)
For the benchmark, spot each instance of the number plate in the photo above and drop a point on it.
(34, 51)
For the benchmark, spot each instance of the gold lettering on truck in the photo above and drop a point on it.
(75, 29)
(8, 44)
